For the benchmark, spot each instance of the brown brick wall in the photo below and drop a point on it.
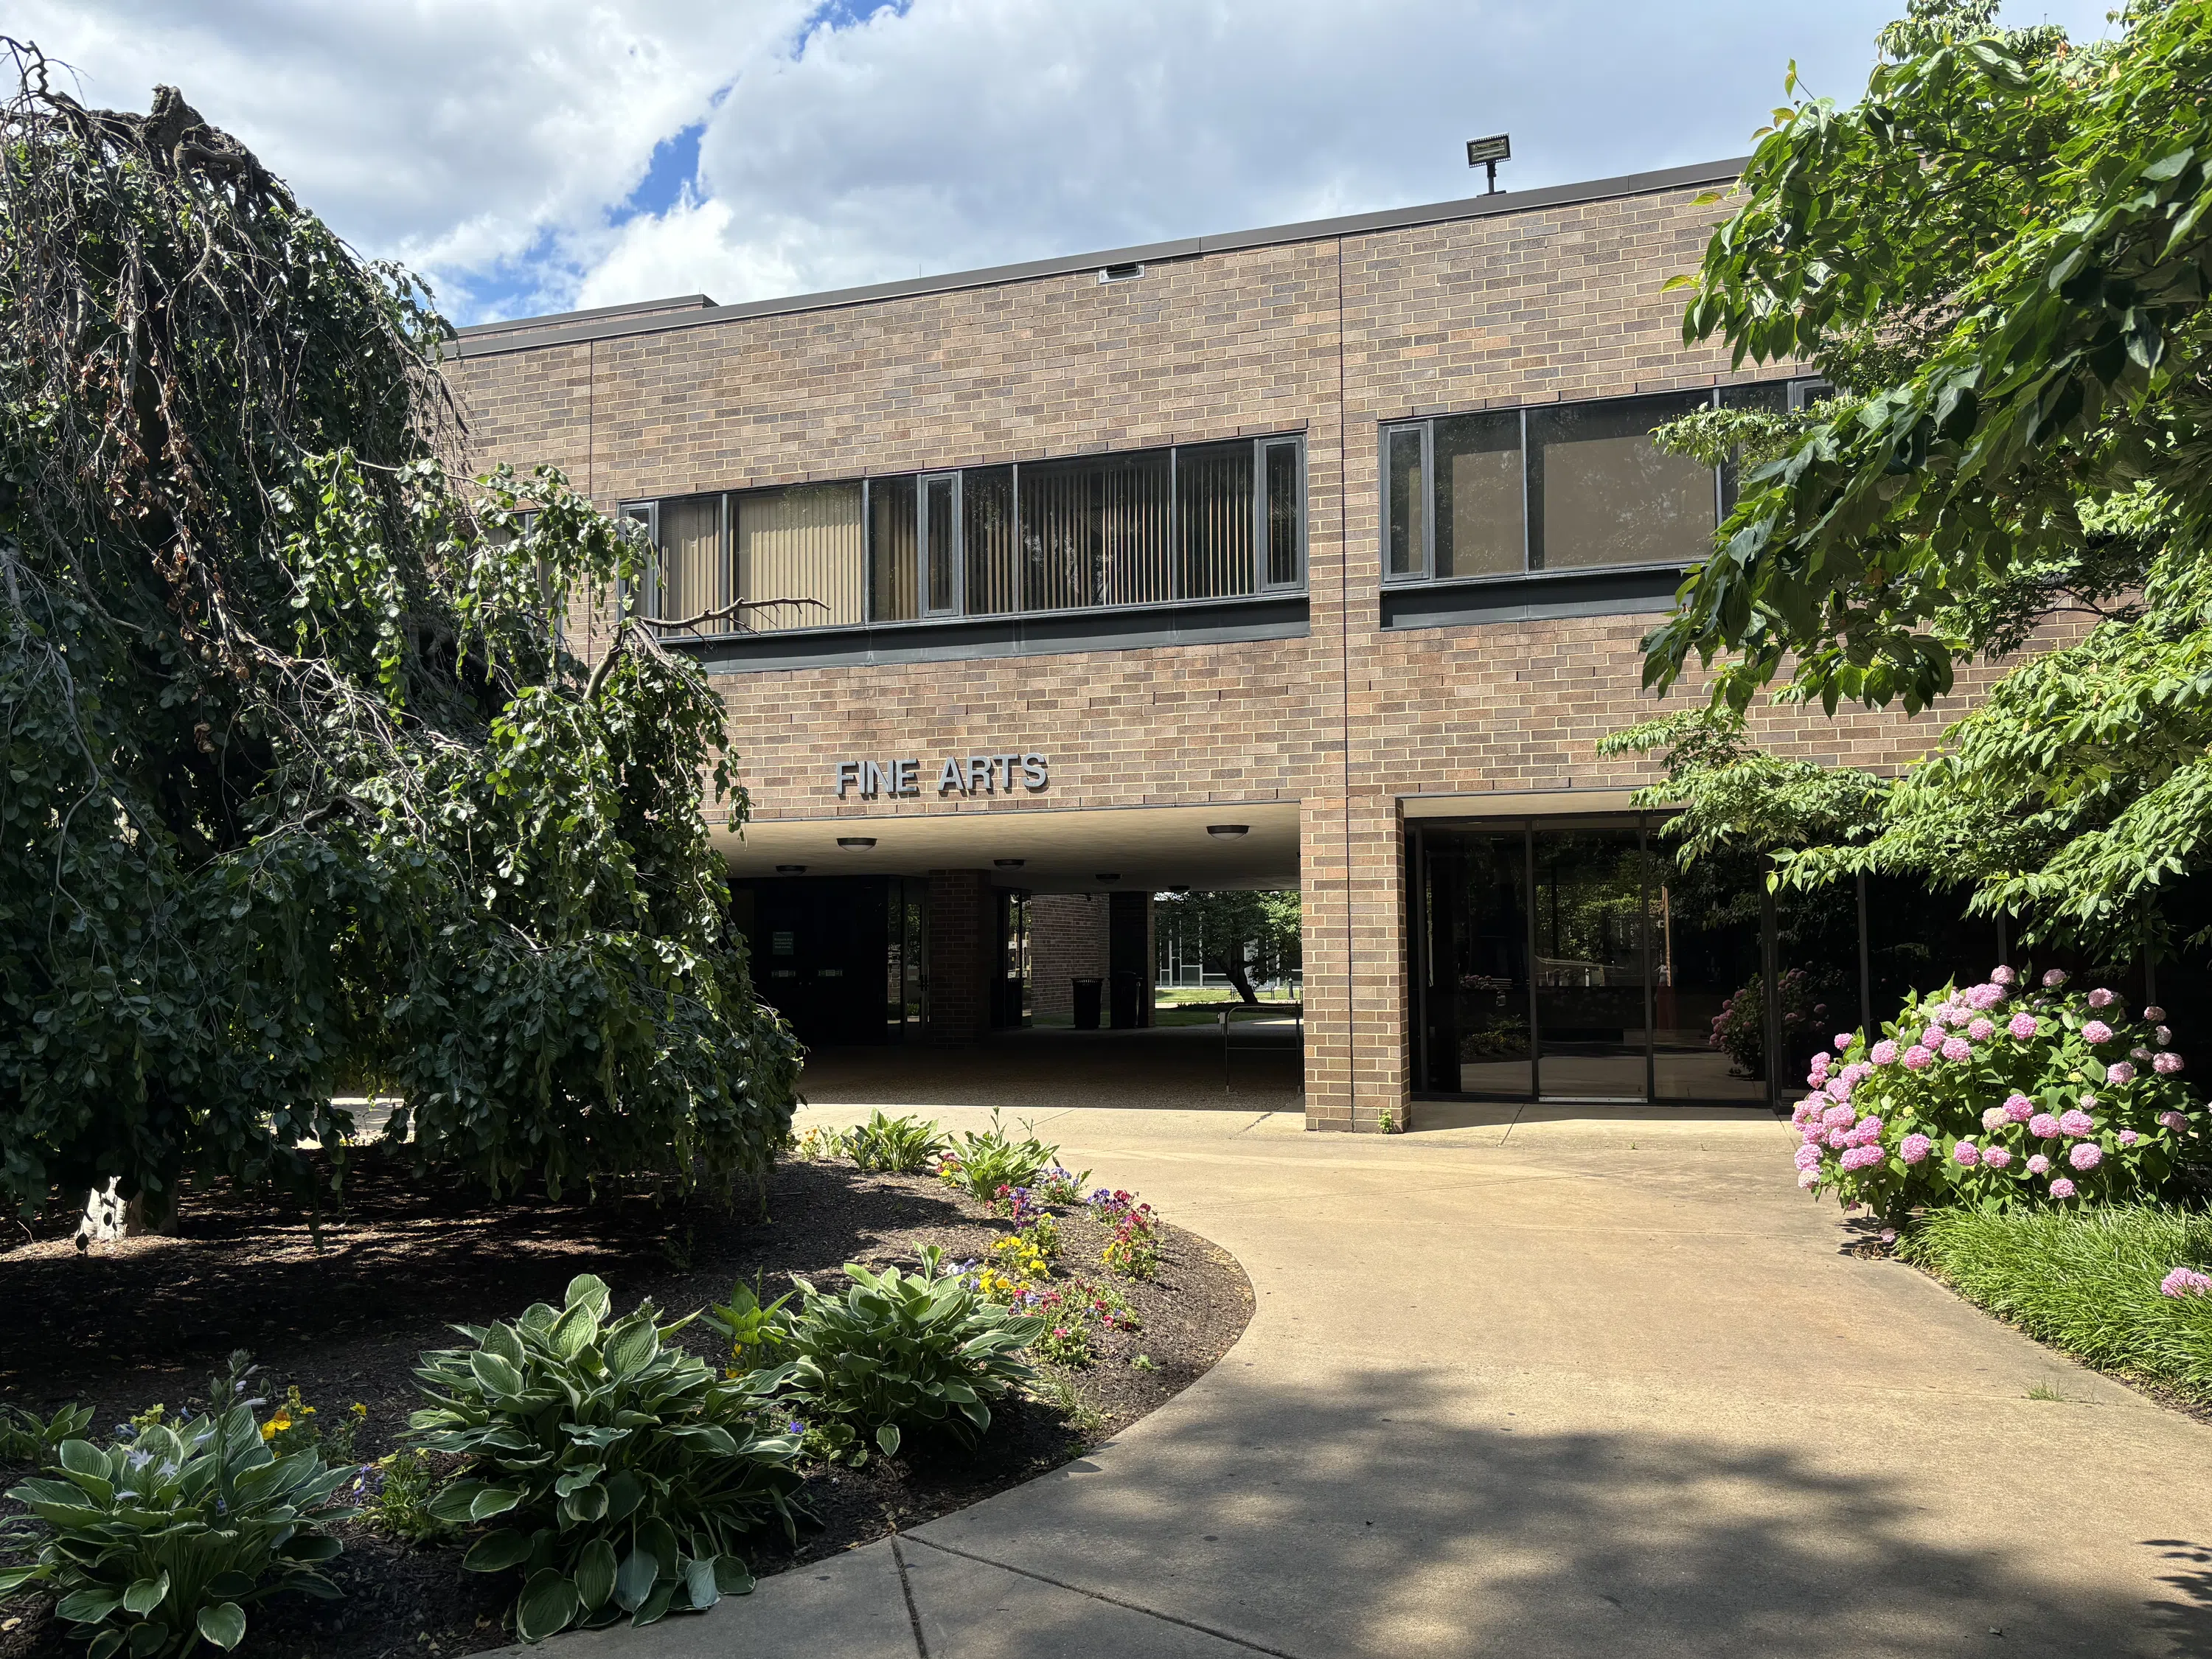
(1067, 942)
(1327, 337)
(963, 956)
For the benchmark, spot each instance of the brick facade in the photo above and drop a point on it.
(1067, 942)
(1323, 334)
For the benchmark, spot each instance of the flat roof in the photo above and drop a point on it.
(697, 310)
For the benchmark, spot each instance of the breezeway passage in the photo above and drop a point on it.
(1544, 1386)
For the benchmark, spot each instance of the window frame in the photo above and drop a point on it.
(923, 483)
(1798, 390)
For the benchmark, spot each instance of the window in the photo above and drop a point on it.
(1558, 486)
(1135, 527)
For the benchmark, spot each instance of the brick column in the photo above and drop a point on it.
(1067, 942)
(1358, 1053)
(962, 956)
(1129, 950)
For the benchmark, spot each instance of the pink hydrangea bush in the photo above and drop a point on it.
(1998, 1094)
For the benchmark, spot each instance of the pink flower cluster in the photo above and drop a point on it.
(2185, 1281)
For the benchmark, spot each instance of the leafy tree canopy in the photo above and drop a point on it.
(1242, 936)
(2000, 257)
(298, 788)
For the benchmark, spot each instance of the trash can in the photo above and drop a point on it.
(1087, 999)
(1128, 1010)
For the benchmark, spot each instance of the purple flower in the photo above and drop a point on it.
(1967, 1154)
(2022, 1026)
(1981, 1031)
(2044, 1126)
(2076, 1123)
(2173, 1121)
(1958, 1048)
(2123, 1073)
(1914, 1148)
(1917, 1059)
(2055, 978)
(2185, 1281)
(2086, 1155)
(2128, 1137)
(2018, 1108)
(2096, 1032)
(1844, 1039)
(1889, 1234)
(2002, 974)
(1994, 1119)
(2100, 997)
(1859, 1157)
(2166, 1064)
(2154, 1013)
(1996, 1158)
(2061, 1187)
(1885, 1053)
(1808, 1157)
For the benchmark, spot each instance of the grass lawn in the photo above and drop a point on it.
(2087, 1282)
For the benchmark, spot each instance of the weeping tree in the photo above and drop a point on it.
(303, 790)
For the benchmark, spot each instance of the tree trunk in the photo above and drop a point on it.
(1239, 976)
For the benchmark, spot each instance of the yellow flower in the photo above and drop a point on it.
(275, 1426)
(359, 1410)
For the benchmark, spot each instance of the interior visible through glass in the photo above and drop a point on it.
(1409, 501)
(1283, 498)
(1606, 495)
(1478, 516)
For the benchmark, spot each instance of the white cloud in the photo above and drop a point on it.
(495, 144)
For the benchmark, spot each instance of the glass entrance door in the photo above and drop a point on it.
(1592, 942)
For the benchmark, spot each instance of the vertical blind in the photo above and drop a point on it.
(801, 545)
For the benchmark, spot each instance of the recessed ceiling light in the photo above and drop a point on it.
(1111, 875)
(856, 844)
(790, 869)
(1010, 864)
(1227, 831)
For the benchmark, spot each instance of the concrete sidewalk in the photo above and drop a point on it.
(1536, 1386)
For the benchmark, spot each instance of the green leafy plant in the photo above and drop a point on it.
(161, 1541)
(1066, 1340)
(401, 1486)
(25, 1439)
(983, 1161)
(896, 1145)
(754, 1328)
(624, 1472)
(902, 1353)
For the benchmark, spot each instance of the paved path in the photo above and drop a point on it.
(1543, 1388)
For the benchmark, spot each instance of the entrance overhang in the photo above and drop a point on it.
(1061, 849)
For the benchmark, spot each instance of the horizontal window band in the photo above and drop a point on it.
(1036, 634)
(1538, 596)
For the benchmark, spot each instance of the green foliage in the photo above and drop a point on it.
(1243, 936)
(908, 1352)
(2001, 257)
(985, 1160)
(753, 1327)
(161, 1541)
(302, 783)
(25, 1438)
(1973, 1097)
(2085, 1280)
(623, 1473)
(404, 1484)
(896, 1145)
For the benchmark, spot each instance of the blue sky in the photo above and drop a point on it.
(532, 155)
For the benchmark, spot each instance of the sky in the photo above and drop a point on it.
(530, 156)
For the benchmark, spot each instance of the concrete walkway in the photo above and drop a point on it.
(1535, 1388)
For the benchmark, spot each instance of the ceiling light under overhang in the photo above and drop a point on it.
(856, 844)
(1228, 831)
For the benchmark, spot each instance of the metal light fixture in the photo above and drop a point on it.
(1488, 153)
(1009, 864)
(856, 844)
(790, 869)
(1228, 831)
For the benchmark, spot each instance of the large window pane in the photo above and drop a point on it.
(1135, 527)
(986, 504)
(1590, 936)
(941, 541)
(1285, 514)
(1477, 466)
(800, 558)
(693, 574)
(1706, 990)
(1604, 494)
(893, 551)
(1096, 531)
(1475, 924)
(1213, 514)
(1767, 398)
(1408, 501)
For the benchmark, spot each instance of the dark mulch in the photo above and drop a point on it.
(147, 1319)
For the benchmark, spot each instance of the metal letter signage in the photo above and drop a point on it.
(959, 774)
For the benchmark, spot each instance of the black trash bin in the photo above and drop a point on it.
(1087, 999)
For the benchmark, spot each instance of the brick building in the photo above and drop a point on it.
(1314, 556)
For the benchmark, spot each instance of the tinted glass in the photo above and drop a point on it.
(891, 549)
(1603, 494)
(943, 542)
(986, 511)
(1768, 398)
(801, 556)
(1407, 500)
(1478, 496)
(1283, 514)
(1213, 518)
(1475, 930)
(1590, 916)
(1706, 1030)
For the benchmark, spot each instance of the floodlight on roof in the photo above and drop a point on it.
(1487, 153)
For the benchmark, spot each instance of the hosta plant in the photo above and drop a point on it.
(896, 1145)
(1996, 1095)
(623, 1474)
(984, 1162)
(26, 1438)
(905, 1352)
(163, 1539)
